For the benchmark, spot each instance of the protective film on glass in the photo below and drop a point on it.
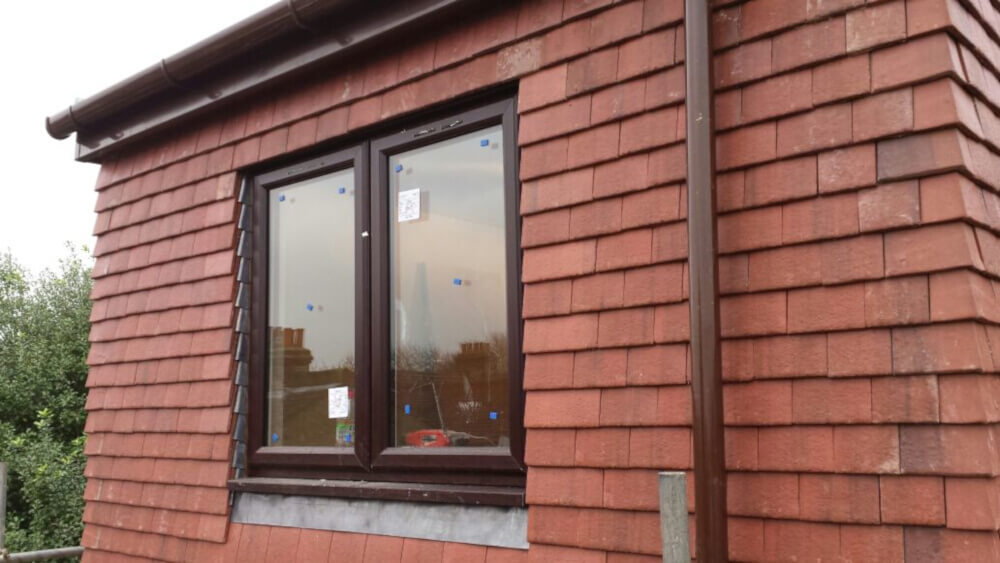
(311, 374)
(448, 293)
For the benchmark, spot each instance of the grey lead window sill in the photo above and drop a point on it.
(479, 525)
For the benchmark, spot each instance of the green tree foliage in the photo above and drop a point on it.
(43, 370)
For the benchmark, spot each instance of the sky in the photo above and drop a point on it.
(52, 54)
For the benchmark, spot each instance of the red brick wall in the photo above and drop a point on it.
(858, 165)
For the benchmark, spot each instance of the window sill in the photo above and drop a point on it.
(377, 490)
(278, 502)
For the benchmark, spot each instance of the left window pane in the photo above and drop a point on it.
(311, 374)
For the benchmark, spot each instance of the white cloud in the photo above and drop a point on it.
(53, 53)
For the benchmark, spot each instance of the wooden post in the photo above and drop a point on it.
(674, 517)
(3, 505)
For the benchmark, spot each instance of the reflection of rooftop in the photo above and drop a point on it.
(474, 348)
(290, 366)
(298, 391)
(462, 394)
(287, 349)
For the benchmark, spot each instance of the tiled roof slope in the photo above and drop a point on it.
(859, 158)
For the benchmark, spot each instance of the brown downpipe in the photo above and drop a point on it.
(706, 359)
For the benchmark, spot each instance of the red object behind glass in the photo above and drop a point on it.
(427, 439)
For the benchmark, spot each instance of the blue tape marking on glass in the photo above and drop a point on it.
(281, 197)
(493, 415)
(342, 191)
(274, 438)
(399, 168)
(406, 409)
(484, 143)
(309, 306)
(456, 281)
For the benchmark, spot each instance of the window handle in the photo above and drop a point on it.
(364, 234)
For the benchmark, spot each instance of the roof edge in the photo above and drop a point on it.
(282, 40)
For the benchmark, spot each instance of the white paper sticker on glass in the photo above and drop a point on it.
(409, 205)
(339, 405)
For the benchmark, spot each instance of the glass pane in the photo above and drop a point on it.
(449, 300)
(311, 313)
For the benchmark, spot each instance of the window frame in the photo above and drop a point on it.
(384, 454)
(261, 455)
(373, 457)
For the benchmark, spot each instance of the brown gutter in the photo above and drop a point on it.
(285, 40)
(706, 358)
(174, 71)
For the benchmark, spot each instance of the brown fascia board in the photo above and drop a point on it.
(279, 43)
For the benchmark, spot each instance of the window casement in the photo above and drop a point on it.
(385, 356)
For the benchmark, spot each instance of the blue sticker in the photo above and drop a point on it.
(493, 415)
(281, 197)
(456, 281)
(399, 168)
(274, 438)
(484, 143)
(342, 191)
(309, 306)
(406, 409)
(347, 438)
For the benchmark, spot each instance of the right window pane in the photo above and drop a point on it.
(449, 293)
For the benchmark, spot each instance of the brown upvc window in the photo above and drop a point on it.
(385, 315)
